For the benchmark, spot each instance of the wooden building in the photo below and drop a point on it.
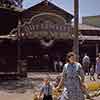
(42, 34)
(89, 41)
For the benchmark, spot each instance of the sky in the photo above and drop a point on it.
(86, 7)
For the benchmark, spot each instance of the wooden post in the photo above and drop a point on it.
(97, 49)
(76, 21)
(21, 68)
(18, 46)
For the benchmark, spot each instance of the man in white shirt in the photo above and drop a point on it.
(58, 65)
(86, 63)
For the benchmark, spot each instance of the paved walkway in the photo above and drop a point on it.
(42, 75)
(26, 92)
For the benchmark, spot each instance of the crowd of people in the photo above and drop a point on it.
(90, 68)
(72, 78)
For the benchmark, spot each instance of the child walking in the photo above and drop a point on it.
(46, 90)
(57, 80)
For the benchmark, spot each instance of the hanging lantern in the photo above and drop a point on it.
(46, 43)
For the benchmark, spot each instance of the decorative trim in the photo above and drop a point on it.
(45, 43)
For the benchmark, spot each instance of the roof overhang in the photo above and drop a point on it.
(93, 38)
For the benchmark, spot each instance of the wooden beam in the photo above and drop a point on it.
(76, 19)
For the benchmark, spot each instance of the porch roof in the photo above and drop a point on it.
(93, 38)
(88, 27)
(81, 37)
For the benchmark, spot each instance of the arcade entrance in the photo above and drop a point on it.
(40, 57)
(42, 40)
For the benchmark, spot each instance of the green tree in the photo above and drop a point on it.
(9, 3)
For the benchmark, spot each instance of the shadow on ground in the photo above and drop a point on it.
(20, 86)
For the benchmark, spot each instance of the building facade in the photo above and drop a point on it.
(42, 34)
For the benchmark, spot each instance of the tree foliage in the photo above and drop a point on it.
(9, 3)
